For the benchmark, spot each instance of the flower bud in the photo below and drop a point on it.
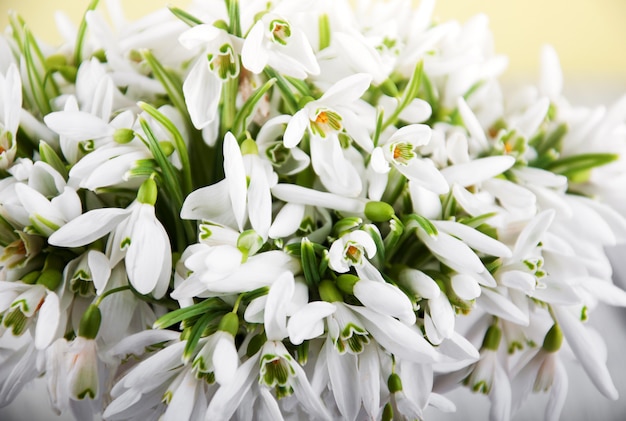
(229, 323)
(492, 338)
(379, 211)
(31, 278)
(394, 383)
(329, 292)
(553, 340)
(387, 412)
(167, 147)
(249, 147)
(50, 278)
(147, 192)
(346, 282)
(90, 322)
(123, 136)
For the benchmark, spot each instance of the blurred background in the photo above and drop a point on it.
(590, 38)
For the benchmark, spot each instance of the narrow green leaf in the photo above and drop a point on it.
(173, 86)
(181, 146)
(177, 316)
(410, 93)
(373, 231)
(324, 31)
(310, 265)
(553, 140)
(242, 117)
(184, 16)
(291, 103)
(380, 115)
(423, 223)
(478, 220)
(80, 36)
(574, 166)
(196, 333)
(50, 157)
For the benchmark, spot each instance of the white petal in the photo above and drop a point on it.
(275, 318)
(369, 379)
(472, 124)
(378, 162)
(202, 90)
(148, 244)
(500, 396)
(465, 286)
(295, 128)
(307, 323)
(181, 405)
(551, 80)
(211, 203)
(532, 234)
(228, 397)
(498, 305)
(48, 321)
(386, 299)
(100, 269)
(287, 221)
(235, 173)
(253, 54)
(425, 174)
(305, 394)
(225, 359)
(343, 379)
(301, 195)
(558, 392)
(474, 238)
(420, 283)
(452, 251)
(582, 343)
(529, 122)
(88, 227)
(346, 90)
(477, 170)
(395, 336)
(259, 201)
(78, 125)
(442, 314)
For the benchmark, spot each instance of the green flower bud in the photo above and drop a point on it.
(492, 338)
(69, 73)
(147, 192)
(229, 323)
(50, 278)
(394, 383)
(389, 88)
(553, 340)
(90, 322)
(387, 412)
(379, 211)
(329, 292)
(167, 147)
(249, 147)
(123, 136)
(346, 282)
(31, 278)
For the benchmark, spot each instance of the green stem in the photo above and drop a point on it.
(80, 36)
(111, 292)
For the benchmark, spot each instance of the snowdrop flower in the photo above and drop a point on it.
(219, 63)
(10, 109)
(488, 376)
(399, 151)
(275, 42)
(543, 372)
(219, 354)
(238, 199)
(324, 119)
(137, 237)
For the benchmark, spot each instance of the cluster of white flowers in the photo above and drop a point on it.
(284, 209)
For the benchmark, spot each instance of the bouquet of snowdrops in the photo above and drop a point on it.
(296, 210)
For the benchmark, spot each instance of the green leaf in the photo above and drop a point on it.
(324, 31)
(50, 157)
(173, 86)
(379, 258)
(573, 167)
(196, 333)
(553, 140)
(178, 141)
(310, 265)
(410, 93)
(80, 35)
(210, 305)
(245, 112)
(285, 89)
(423, 223)
(184, 16)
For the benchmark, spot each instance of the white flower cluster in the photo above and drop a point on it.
(297, 210)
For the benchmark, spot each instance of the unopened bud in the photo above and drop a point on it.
(553, 340)
(346, 282)
(147, 192)
(379, 211)
(90, 322)
(123, 136)
(329, 292)
(229, 323)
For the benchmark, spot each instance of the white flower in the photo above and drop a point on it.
(275, 42)
(203, 84)
(351, 250)
(137, 237)
(399, 150)
(10, 109)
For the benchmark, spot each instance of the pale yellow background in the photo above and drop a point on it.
(589, 35)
